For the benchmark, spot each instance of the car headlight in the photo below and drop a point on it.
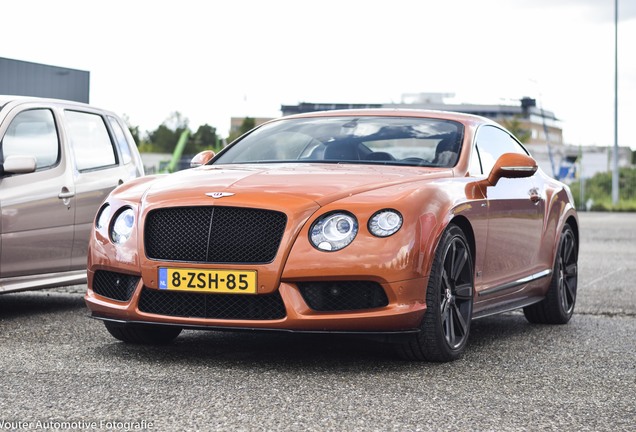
(333, 231)
(103, 217)
(123, 226)
(385, 223)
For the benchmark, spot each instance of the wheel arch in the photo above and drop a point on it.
(574, 224)
(431, 242)
(464, 224)
(570, 219)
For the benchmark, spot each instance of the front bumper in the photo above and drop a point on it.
(286, 309)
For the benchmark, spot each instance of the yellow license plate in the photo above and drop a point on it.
(208, 281)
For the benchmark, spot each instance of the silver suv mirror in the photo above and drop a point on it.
(18, 164)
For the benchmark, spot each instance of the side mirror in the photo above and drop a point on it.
(512, 165)
(17, 164)
(202, 158)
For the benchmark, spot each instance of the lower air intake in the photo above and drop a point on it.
(116, 286)
(214, 306)
(343, 295)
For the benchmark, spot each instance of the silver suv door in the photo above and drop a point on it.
(37, 207)
(99, 168)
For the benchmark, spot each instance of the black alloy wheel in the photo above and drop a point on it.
(558, 305)
(449, 301)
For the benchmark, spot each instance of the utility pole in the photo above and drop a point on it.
(615, 194)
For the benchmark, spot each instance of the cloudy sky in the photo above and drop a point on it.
(215, 60)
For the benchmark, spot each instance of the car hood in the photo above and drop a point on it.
(313, 183)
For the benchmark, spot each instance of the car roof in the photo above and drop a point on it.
(15, 99)
(397, 112)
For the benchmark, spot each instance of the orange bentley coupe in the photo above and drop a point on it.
(404, 225)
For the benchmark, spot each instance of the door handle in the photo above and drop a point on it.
(65, 195)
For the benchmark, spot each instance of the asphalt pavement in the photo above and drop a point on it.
(61, 370)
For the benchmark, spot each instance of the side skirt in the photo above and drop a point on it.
(514, 284)
(39, 281)
(514, 303)
(507, 307)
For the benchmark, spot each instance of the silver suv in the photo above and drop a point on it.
(58, 161)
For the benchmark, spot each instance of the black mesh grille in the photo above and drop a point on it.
(343, 295)
(218, 306)
(117, 286)
(214, 234)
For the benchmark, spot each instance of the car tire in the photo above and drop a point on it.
(558, 305)
(145, 334)
(445, 327)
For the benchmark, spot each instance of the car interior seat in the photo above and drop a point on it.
(380, 156)
(341, 151)
(446, 152)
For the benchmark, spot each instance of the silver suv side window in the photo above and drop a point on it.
(33, 133)
(90, 141)
(122, 142)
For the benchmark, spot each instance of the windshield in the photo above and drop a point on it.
(368, 140)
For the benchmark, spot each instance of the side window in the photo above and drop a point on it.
(475, 165)
(492, 142)
(33, 133)
(90, 141)
(120, 138)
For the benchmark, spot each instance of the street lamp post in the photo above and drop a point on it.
(615, 161)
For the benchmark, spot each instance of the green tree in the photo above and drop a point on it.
(204, 138)
(598, 189)
(516, 128)
(164, 138)
(247, 125)
(134, 131)
(176, 121)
